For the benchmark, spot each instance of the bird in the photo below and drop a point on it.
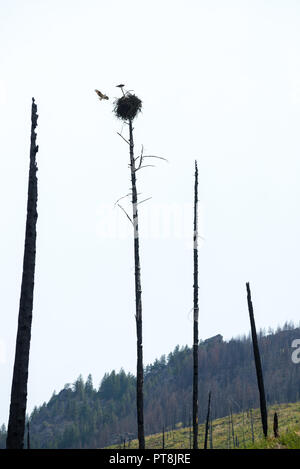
(101, 95)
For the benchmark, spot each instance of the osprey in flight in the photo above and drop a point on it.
(101, 95)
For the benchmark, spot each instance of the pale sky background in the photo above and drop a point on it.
(220, 83)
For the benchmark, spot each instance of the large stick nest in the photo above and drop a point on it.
(127, 107)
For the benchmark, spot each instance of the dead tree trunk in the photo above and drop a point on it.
(138, 297)
(28, 436)
(252, 428)
(196, 315)
(16, 423)
(211, 434)
(207, 421)
(259, 373)
(232, 428)
(229, 433)
(275, 425)
(244, 430)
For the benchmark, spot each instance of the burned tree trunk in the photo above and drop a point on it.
(229, 433)
(244, 443)
(207, 421)
(275, 425)
(211, 434)
(28, 436)
(196, 315)
(252, 428)
(259, 373)
(232, 428)
(16, 423)
(138, 297)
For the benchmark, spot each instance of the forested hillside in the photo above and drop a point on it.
(81, 416)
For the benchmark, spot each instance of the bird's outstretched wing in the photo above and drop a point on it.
(101, 95)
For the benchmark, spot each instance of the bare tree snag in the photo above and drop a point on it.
(211, 434)
(126, 108)
(17, 413)
(207, 425)
(252, 428)
(259, 373)
(138, 296)
(28, 436)
(275, 425)
(232, 428)
(196, 315)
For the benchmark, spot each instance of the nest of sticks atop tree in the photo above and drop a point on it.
(127, 107)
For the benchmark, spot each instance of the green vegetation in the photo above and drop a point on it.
(289, 432)
(80, 416)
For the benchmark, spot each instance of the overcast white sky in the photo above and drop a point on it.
(220, 83)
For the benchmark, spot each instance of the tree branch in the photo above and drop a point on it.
(124, 196)
(146, 166)
(148, 198)
(123, 138)
(153, 156)
(125, 213)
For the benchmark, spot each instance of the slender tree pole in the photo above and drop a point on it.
(232, 428)
(275, 425)
(126, 108)
(229, 432)
(207, 421)
(251, 423)
(16, 423)
(211, 433)
(259, 373)
(138, 296)
(28, 436)
(244, 429)
(196, 315)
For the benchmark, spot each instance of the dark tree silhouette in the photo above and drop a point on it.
(196, 315)
(232, 428)
(211, 433)
(259, 373)
(207, 423)
(138, 297)
(252, 428)
(126, 108)
(28, 436)
(16, 423)
(275, 425)
(229, 433)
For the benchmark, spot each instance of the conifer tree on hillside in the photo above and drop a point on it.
(16, 423)
(168, 391)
